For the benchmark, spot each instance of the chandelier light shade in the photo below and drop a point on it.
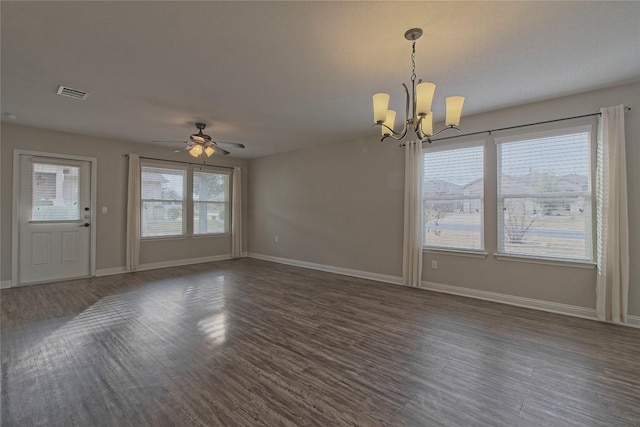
(427, 124)
(389, 122)
(424, 98)
(418, 115)
(454, 110)
(380, 106)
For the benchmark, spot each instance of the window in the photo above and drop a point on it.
(162, 193)
(210, 203)
(454, 198)
(544, 195)
(179, 201)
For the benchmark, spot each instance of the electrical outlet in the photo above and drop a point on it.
(434, 264)
(276, 239)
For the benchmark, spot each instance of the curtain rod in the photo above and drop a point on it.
(489, 131)
(186, 163)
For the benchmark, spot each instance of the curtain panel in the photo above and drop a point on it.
(612, 221)
(133, 213)
(412, 247)
(236, 214)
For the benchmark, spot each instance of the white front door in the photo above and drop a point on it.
(54, 219)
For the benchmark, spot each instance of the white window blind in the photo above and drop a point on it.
(210, 203)
(454, 198)
(544, 195)
(162, 193)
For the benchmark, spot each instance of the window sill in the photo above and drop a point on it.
(183, 237)
(545, 261)
(204, 236)
(156, 238)
(456, 252)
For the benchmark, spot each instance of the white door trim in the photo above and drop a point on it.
(15, 197)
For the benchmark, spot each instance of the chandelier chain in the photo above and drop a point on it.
(413, 61)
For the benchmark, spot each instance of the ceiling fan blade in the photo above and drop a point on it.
(169, 142)
(182, 149)
(233, 144)
(225, 152)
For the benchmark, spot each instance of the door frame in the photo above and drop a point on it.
(93, 161)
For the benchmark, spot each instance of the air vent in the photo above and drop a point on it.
(72, 93)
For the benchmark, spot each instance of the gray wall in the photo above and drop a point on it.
(334, 205)
(111, 192)
(342, 205)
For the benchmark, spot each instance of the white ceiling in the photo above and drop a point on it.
(281, 76)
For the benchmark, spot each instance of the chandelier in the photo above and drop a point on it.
(420, 99)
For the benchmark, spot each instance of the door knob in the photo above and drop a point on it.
(86, 224)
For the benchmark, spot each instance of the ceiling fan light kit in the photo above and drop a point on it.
(418, 102)
(200, 144)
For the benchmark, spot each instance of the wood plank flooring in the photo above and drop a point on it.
(253, 343)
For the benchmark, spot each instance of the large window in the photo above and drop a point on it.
(178, 201)
(162, 192)
(454, 198)
(544, 195)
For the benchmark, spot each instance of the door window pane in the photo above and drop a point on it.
(55, 192)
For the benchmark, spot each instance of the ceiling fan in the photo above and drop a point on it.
(200, 143)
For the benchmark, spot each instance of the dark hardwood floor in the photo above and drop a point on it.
(252, 343)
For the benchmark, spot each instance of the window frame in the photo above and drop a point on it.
(453, 249)
(188, 202)
(589, 194)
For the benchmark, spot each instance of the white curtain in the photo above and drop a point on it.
(236, 212)
(612, 286)
(133, 213)
(412, 249)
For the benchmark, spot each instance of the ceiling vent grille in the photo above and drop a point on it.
(72, 93)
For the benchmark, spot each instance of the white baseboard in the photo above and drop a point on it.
(331, 269)
(180, 262)
(162, 264)
(553, 307)
(5, 284)
(633, 321)
(110, 271)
